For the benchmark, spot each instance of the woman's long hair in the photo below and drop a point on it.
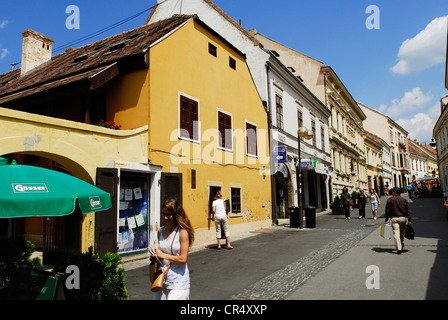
(173, 206)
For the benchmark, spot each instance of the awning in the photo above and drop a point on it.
(427, 179)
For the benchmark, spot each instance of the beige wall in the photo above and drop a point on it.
(79, 147)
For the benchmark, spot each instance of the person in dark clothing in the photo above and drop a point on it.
(345, 200)
(397, 210)
(361, 200)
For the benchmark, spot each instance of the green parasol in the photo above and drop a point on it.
(27, 191)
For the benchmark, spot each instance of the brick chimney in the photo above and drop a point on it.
(36, 50)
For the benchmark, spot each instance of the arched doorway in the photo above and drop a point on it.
(55, 237)
(284, 190)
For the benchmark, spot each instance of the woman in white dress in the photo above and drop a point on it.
(175, 239)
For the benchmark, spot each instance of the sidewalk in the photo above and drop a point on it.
(326, 262)
(420, 273)
(226, 274)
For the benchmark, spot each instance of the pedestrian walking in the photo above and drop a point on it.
(220, 218)
(410, 190)
(175, 239)
(374, 202)
(397, 210)
(347, 203)
(361, 200)
(415, 191)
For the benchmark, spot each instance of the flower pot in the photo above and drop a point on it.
(337, 210)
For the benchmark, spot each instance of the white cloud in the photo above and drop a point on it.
(3, 24)
(3, 53)
(421, 125)
(411, 101)
(426, 49)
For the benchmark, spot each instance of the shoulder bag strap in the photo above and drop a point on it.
(177, 229)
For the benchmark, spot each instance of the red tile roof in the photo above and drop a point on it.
(84, 62)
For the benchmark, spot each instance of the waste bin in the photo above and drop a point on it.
(310, 217)
(294, 217)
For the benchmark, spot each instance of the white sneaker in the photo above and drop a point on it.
(374, 218)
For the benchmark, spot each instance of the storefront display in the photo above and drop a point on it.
(133, 220)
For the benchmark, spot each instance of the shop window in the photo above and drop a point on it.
(133, 219)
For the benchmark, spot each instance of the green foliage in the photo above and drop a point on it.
(336, 202)
(101, 278)
(354, 195)
(15, 253)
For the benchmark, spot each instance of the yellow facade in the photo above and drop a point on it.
(146, 103)
(182, 65)
(79, 147)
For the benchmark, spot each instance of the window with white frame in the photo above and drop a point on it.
(225, 135)
(313, 129)
(279, 111)
(188, 118)
(322, 137)
(251, 139)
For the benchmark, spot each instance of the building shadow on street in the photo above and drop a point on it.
(388, 250)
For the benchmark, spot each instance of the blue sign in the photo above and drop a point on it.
(306, 164)
(280, 154)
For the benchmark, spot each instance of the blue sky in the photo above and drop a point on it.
(398, 69)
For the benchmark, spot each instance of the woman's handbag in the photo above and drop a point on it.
(156, 274)
(409, 232)
(159, 277)
(152, 271)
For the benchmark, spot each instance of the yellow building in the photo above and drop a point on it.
(207, 80)
(181, 85)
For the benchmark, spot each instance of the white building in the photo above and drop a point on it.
(440, 133)
(418, 164)
(396, 137)
(377, 163)
(346, 118)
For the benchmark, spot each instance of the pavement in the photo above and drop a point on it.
(338, 260)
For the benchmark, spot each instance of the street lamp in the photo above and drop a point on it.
(306, 134)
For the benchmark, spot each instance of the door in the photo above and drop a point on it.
(171, 188)
(106, 221)
(212, 193)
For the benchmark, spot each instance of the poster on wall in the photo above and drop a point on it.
(134, 214)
